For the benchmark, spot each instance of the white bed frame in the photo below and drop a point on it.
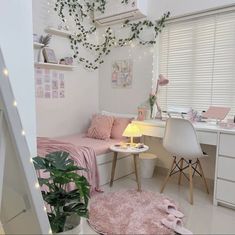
(124, 166)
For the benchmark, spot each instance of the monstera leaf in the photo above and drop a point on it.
(62, 172)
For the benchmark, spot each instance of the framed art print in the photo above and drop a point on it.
(49, 55)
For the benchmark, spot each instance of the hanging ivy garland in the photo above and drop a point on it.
(79, 11)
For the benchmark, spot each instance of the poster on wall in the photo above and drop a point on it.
(122, 73)
(49, 84)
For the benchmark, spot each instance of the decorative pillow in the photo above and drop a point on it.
(119, 125)
(100, 127)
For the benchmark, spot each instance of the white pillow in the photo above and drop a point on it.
(118, 114)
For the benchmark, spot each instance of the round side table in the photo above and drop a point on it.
(135, 151)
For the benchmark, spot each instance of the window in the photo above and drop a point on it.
(198, 57)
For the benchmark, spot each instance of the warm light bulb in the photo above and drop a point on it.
(31, 160)
(44, 208)
(22, 132)
(50, 232)
(14, 103)
(5, 72)
(37, 185)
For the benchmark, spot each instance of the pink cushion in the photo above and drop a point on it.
(119, 125)
(100, 127)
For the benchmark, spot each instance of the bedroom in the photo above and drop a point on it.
(56, 97)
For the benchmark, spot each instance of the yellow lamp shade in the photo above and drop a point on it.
(132, 131)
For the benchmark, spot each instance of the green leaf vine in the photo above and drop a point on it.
(81, 10)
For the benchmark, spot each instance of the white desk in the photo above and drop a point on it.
(210, 134)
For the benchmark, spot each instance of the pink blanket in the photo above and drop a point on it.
(83, 156)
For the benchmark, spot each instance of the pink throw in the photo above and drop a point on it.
(83, 156)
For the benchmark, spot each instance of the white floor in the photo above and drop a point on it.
(200, 218)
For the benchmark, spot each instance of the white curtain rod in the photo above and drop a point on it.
(199, 14)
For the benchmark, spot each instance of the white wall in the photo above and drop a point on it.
(16, 44)
(127, 100)
(57, 117)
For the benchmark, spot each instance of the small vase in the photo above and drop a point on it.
(40, 56)
(153, 111)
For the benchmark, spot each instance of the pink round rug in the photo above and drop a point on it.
(128, 212)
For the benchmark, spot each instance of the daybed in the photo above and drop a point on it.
(93, 153)
(104, 156)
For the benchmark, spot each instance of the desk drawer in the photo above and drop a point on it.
(226, 168)
(209, 138)
(227, 145)
(225, 191)
(152, 131)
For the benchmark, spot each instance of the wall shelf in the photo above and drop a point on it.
(58, 32)
(54, 66)
(37, 45)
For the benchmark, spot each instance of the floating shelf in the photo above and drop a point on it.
(54, 66)
(37, 45)
(58, 32)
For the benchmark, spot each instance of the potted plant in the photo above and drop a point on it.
(44, 40)
(65, 207)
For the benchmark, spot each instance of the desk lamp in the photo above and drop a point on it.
(162, 81)
(132, 131)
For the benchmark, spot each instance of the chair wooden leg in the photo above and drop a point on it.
(168, 175)
(190, 183)
(181, 166)
(203, 176)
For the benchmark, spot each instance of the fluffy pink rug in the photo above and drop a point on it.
(128, 212)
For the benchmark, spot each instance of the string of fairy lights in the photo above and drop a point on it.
(82, 36)
(5, 73)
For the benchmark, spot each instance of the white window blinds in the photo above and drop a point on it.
(198, 57)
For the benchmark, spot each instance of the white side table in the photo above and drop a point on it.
(135, 152)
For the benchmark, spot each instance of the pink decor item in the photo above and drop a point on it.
(128, 212)
(218, 113)
(82, 156)
(162, 81)
(141, 114)
(101, 126)
(119, 125)
(171, 208)
(175, 224)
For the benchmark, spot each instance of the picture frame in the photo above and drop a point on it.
(122, 73)
(49, 55)
(141, 114)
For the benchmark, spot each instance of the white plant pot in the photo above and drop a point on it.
(40, 56)
(77, 223)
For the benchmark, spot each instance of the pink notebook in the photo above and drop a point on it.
(216, 112)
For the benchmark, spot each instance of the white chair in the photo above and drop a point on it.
(180, 140)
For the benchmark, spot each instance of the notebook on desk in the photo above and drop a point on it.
(218, 113)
